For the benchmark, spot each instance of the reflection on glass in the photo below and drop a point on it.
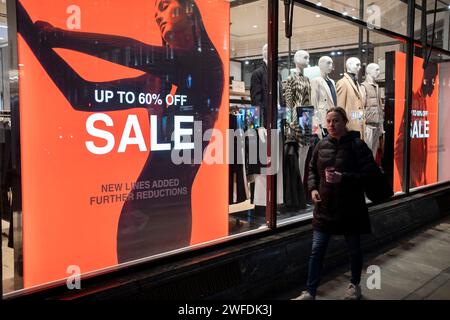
(389, 15)
(441, 36)
(248, 116)
(429, 118)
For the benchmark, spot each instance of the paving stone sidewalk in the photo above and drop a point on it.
(415, 268)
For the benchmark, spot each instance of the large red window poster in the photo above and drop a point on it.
(107, 90)
(424, 122)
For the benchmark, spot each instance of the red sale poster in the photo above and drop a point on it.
(107, 90)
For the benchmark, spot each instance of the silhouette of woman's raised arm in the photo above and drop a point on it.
(42, 38)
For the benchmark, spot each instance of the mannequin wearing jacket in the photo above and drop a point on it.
(259, 92)
(297, 94)
(323, 94)
(374, 114)
(351, 97)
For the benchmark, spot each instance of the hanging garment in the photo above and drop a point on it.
(374, 116)
(238, 188)
(294, 193)
(259, 92)
(261, 179)
(5, 171)
(6, 209)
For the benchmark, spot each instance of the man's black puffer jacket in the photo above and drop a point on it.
(343, 208)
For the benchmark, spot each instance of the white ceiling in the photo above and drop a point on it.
(251, 19)
(311, 29)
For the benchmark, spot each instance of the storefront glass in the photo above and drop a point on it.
(153, 145)
(440, 22)
(386, 14)
(248, 113)
(141, 139)
(429, 119)
(320, 56)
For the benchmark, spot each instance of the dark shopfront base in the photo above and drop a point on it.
(254, 268)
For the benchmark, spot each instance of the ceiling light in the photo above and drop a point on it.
(319, 4)
(317, 15)
(247, 62)
(344, 13)
(333, 53)
(255, 26)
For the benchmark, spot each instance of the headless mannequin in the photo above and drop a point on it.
(323, 95)
(374, 114)
(351, 96)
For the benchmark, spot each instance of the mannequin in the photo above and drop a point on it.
(298, 141)
(297, 94)
(374, 113)
(259, 92)
(351, 97)
(323, 94)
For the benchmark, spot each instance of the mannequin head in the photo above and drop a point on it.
(264, 53)
(326, 65)
(373, 71)
(353, 65)
(301, 59)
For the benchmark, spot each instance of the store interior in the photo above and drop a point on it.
(319, 36)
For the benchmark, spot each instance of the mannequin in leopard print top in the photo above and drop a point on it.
(297, 94)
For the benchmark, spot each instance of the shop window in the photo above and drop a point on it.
(124, 131)
(248, 115)
(322, 49)
(438, 19)
(429, 119)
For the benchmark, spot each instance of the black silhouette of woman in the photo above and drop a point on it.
(188, 60)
